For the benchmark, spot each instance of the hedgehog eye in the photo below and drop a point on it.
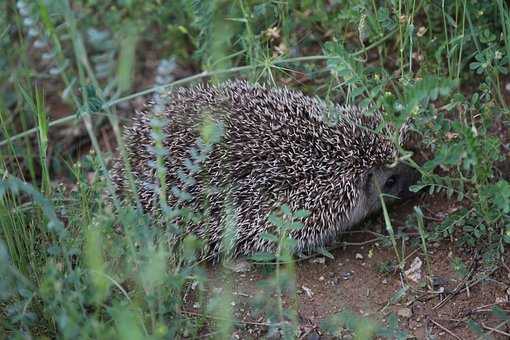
(390, 181)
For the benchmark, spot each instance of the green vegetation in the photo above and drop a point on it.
(73, 263)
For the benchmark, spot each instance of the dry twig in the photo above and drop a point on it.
(445, 329)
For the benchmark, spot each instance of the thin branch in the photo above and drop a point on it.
(445, 329)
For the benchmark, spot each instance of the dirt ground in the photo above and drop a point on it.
(354, 281)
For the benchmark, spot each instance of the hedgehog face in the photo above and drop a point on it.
(393, 182)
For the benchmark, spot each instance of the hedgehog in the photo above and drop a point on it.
(275, 147)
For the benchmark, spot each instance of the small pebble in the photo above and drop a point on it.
(239, 266)
(405, 313)
(345, 275)
(359, 256)
(307, 291)
(501, 299)
(320, 260)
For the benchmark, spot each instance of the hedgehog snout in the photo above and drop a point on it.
(408, 177)
(398, 180)
(392, 182)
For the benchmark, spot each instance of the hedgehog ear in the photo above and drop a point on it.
(368, 178)
(370, 174)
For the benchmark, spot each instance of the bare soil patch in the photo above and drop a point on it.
(355, 281)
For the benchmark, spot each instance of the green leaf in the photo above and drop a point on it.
(275, 220)
(301, 213)
(399, 295)
(429, 88)
(325, 252)
(286, 210)
(500, 313)
(127, 57)
(269, 237)
(417, 187)
(262, 257)
(94, 103)
(296, 225)
(502, 196)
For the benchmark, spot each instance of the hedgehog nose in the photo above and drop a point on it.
(411, 176)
